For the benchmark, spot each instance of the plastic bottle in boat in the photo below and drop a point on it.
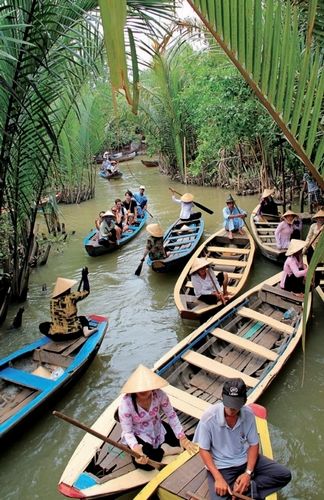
(290, 313)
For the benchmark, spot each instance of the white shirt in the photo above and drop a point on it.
(185, 208)
(204, 286)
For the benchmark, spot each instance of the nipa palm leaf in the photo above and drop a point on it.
(280, 62)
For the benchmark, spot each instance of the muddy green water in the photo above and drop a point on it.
(144, 324)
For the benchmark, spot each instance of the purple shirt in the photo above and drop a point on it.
(283, 234)
(147, 424)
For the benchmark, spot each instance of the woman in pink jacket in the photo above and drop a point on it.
(294, 270)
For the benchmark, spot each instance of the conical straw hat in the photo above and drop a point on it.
(187, 197)
(198, 263)
(295, 246)
(289, 212)
(155, 230)
(319, 214)
(62, 285)
(267, 192)
(143, 379)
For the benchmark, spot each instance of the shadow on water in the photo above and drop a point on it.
(143, 325)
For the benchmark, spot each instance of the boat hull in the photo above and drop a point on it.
(232, 256)
(45, 390)
(263, 234)
(95, 250)
(181, 245)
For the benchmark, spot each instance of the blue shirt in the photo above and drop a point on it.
(141, 201)
(228, 446)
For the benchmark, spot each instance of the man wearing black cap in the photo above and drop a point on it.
(229, 447)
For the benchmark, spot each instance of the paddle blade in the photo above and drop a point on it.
(139, 268)
(205, 209)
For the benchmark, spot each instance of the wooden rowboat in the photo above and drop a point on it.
(113, 175)
(263, 230)
(38, 372)
(93, 248)
(248, 338)
(194, 475)
(121, 158)
(181, 240)
(233, 256)
(150, 163)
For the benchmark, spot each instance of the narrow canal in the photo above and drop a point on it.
(144, 324)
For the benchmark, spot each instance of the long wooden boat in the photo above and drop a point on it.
(150, 163)
(193, 482)
(233, 256)
(122, 157)
(93, 248)
(113, 175)
(263, 230)
(248, 338)
(33, 375)
(181, 240)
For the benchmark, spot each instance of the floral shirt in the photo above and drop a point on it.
(64, 313)
(155, 248)
(147, 425)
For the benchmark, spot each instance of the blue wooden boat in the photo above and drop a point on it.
(94, 249)
(39, 371)
(180, 239)
(113, 175)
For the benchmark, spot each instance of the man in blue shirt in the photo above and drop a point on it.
(229, 448)
(141, 201)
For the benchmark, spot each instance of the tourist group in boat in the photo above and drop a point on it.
(200, 397)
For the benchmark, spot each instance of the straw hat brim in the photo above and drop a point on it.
(289, 212)
(62, 285)
(143, 379)
(199, 263)
(267, 192)
(108, 214)
(187, 197)
(155, 230)
(295, 246)
(318, 214)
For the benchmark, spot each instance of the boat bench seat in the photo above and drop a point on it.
(246, 312)
(52, 358)
(217, 368)
(242, 251)
(227, 262)
(245, 344)
(26, 379)
(282, 293)
(264, 223)
(266, 236)
(230, 289)
(185, 402)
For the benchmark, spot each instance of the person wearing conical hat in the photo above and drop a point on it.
(140, 418)
(285, 229)
(209, 288)
(313, 235)
(294, 270)
(107, 230)
(233, 217)
(65, 323)
(268, 206)
(154, 243)
(186, 202)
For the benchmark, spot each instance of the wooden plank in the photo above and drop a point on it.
(243, 251)
(267, 320)
(185, 396)
(74, 346)
(228, 262)
(52, 358)
(235, 276)
(185, 407)
(263, 223)
(245, 344)
(27, 379)
(282, 293)
(212, 366)
(266, 236)
(266, 229)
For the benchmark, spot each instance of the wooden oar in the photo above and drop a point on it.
(245, 224)
(70, 420)
(238, 495)
(195, 496)
(199, 205)
(149, 213)
(139, 268)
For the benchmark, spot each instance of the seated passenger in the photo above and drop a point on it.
(233, 217)
(65, 323)
(312, 238)
(186, 202)
(268, 206)
(285, 229)
(114, 167)
(106, 166)
(207, 287)
(154, 245)
(120, 213)
(130, 204)
(141, 201)
(98, 221)
(107, 230)
(140, 413)
(294, 270)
